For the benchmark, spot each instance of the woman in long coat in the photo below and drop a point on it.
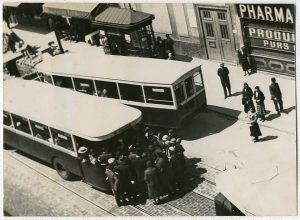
(247, 98)
(243, 60)
(152, 181)
(253, 125)
(259, 98)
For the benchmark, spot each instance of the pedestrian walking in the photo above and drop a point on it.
(169, 44)
(259, 98)
(276, 95)
(152, 181)
(247, 98)
(114, 183)
(243, 60)
(253, 125)
(223, 73)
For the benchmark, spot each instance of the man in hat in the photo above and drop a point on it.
(138, 164)
(180, 152)
(276, 95)
(113, 180)
(223, 73)
(164, 174)
(125, 177)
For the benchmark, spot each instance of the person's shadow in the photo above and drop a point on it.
(272, 117)
(288, 110)
(268, 138)
(237, 93)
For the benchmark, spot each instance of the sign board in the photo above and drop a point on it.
(283, 13)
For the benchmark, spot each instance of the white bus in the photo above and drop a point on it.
(166, 91)
(53, 123)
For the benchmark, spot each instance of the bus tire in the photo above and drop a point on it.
(62, 171)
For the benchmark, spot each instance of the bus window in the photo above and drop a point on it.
(197, 81)
(189, 87)
(63, 81)
(84, 85)
(6, 119)
(21, 123)
(110, 87)
(48, 79)
(131, 92)
(62, 139)
(179, 93)
(158, 95)
(40, 131)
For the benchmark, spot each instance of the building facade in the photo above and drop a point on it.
(217, 31)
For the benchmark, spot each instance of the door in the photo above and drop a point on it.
(217, 34)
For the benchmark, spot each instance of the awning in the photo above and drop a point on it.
(122, 18)
(12, 4)
(76, 10)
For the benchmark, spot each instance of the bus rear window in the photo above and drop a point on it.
(107, 89)
(84, 85)
(179, 93)
(6, 119)
(131, 92)
(197, 81)
(63, 81)
(21, 123)
(62, 139)
(40, 131)
(158, 95)
(189, 87)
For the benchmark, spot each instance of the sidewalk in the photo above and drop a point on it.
(233, 107)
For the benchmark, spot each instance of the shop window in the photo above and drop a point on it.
(209, 29)
(189, 86)
(107, 89)
(179, 93)
(158, 95)
(222, 16)
(6, 119)
(224, 31)
(21, 123)
(63, 81)
(131, 92)
(62, 139)
(197, 81)
(84, 85)
(40, 131)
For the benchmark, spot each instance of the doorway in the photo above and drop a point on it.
(218, 34)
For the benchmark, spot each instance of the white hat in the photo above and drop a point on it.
(165, 137)
(82, 150)
(173, 140)
(171, 149)
(111, 160)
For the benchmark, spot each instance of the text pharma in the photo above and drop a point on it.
(267, 13)
(271, 34)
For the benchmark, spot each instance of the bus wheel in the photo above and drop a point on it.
(61, 170)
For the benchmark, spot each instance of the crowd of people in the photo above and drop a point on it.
(152, 166)
(253, 112)
(164, 48)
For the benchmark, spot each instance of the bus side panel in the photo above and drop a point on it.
(160, 117)
(9, 138)
(41, 151)
(192, 106)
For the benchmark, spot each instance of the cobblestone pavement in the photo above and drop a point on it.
(187, 204)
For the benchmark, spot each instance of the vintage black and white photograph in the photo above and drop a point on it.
(149, 109)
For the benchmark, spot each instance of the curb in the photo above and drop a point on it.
(242, 119)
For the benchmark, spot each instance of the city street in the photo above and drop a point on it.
(209, 142)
